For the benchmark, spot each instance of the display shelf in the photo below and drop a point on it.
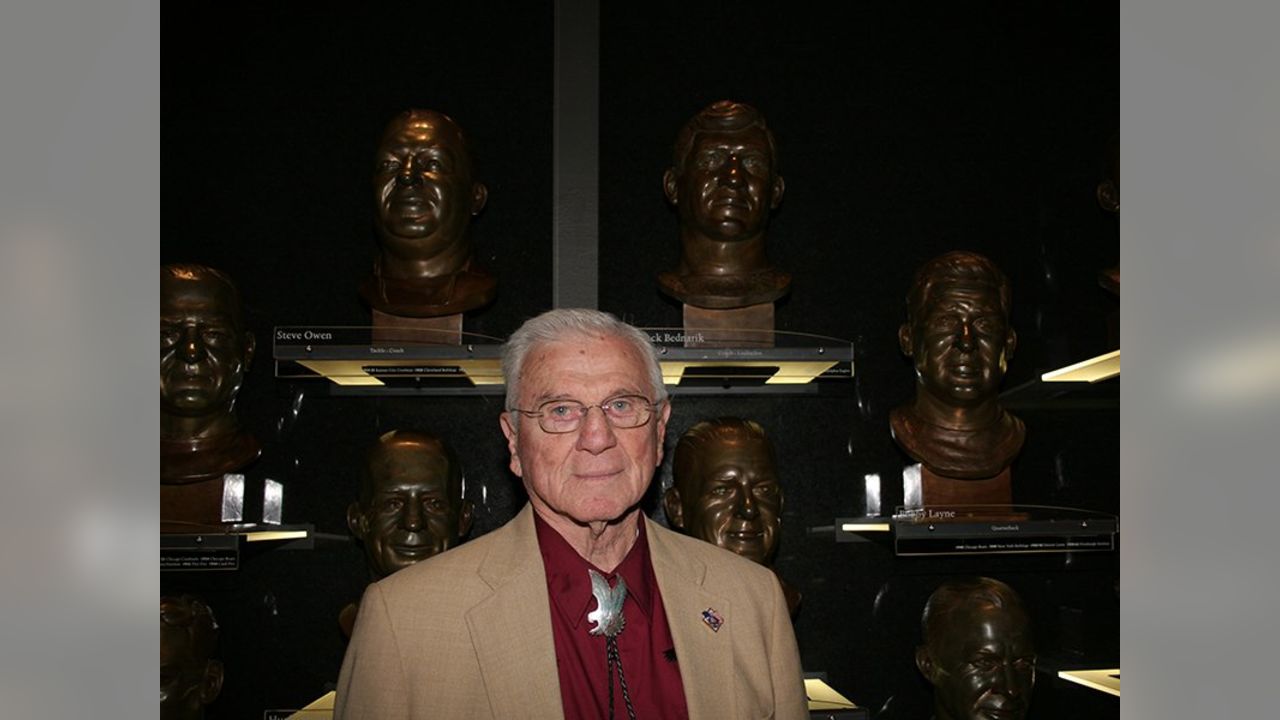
(1105, 680)
(987, 530)
(211, 548)
(1088, 384)
(360, 361)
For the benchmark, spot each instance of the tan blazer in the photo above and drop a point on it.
(467, 634)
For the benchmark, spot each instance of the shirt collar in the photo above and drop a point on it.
(569, 584)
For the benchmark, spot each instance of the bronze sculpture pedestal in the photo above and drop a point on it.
(750, 326)
(442, 330)
(938, 489)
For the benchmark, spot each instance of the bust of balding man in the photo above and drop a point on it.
(425, 195)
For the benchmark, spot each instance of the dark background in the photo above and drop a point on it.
(901, 135)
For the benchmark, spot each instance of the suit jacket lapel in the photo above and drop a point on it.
(511, 629)
(705, 656)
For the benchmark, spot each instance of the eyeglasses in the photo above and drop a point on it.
(563, 416)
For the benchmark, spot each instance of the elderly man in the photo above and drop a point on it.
(724, 182)
(580, 607)
(977, 651)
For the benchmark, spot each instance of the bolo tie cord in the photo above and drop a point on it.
(611, 650)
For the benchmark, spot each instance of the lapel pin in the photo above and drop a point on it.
(712, 619)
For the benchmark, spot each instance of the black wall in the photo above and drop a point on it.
(901, 135)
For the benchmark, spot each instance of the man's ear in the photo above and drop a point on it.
(510, 432)
(779, 187)
(356, 521)
(904, 339)
(663, 415)
(1010, 344)
(211, 684)
(465, 516)
(479, 196)
(669, 186)
(250, 344)
(924, 661)
(674, 509)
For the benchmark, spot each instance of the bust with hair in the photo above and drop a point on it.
(958, 336)
(724, 182)
(424, 195)
(205, 351)
(190, 678)
(725, 490)
(978, 651)
(410, 506)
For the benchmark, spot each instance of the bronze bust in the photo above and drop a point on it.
(958, 335)
(725, 490)
(189, 676)
(978, 651)
(411, 504)
(724, 182)
(424, 197)
(204, 353)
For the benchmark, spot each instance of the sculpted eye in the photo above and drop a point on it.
(169, 336)
(767, 491)
(987, 324)
(435, 505)
(710, 159)
(984, 664)
(389, 166)
(756, 164)
(722, 491)
(392, 504)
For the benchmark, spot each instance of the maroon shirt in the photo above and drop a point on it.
(645, 646)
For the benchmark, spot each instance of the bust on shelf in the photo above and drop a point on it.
(190, 678)
(724, 182)
(410, 506)
(959, 339)
(978, 652)
(205, 350)
(725, 491)
(424, 197)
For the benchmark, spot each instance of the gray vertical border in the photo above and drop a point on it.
(575, 203)
(1200, 250)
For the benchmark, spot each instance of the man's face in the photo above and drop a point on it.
(422, 186)
(961, 345)
(203, 351)
(728, 185)
(187, 683)
(410, 515)
(738, 499)
(983, 666)
(597, 472)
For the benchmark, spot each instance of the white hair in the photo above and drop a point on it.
(561, 324)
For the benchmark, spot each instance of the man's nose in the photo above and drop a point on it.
(193, 349)
(409, 173)
(964, 335)
(596, 434)
(732, 173)
(411, 518)
(747, 505)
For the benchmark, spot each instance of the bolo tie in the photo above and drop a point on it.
(609, 622)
